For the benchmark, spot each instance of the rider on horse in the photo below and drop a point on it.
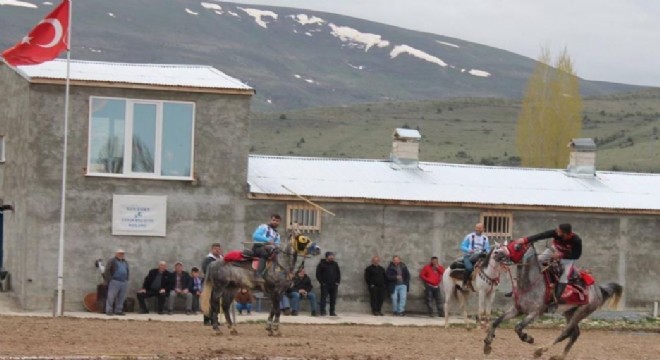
(566, 246)
(474, 243)
(266, 239)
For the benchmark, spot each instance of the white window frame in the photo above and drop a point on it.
(305, 226)
(502, 229)
(128, 141)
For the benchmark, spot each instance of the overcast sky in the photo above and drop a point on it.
(609, 40)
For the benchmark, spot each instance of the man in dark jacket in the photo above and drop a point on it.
(566, 246)
(116, 277)
(180, 288)
(398, 278)
(214, 255)
(158, 283)
(374, 276)
(328, 275)
(302, 288)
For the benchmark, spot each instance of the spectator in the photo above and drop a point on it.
(398, 278)
(374, 276)
(329, 276)
(180, 288)
(195, 288)
(285, 305)
(214, 255)
(244, 300)
(431, 274)
(116, 277)
(302, 288)
(156, 284)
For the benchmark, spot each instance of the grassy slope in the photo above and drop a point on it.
(460, 131)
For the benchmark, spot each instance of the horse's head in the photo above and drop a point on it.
(313, 249)
(500, 252)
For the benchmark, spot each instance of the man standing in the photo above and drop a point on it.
(431, 274)
(302, 288)
(157, 283)
(473, 244)
(265, 239)
(116, 277)
(181, 288)
(214, 255)
(399, 284)
(374, 276)
(329, 276)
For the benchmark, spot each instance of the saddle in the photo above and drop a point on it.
(457, 267)
(243, 258)
(577, 289)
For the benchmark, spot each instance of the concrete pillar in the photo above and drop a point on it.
(623, 253)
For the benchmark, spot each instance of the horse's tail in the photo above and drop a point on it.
(612, 293)
(205, 297)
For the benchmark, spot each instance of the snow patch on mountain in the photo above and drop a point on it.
(191, 12)
(211, 6)
(259, 14)
(308, 34)
(357, 38)
(356, 67)
(405, 49)
(303, 19)
(233, 14)
(446, 43)
(47, 3)
(297, 76)
(18, 3)
(479, 73)
(111, 15)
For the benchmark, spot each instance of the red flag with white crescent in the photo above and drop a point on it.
(46, 40)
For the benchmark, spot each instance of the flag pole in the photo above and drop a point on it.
(59, 310)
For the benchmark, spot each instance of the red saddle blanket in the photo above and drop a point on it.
(234, 256)
(575, 293)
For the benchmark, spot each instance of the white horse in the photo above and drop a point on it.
(485, 280)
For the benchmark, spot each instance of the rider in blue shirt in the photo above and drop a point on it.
(265, 239)
(474, 243)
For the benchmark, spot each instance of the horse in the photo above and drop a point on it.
(225, 279)
(486, 277)
(532, 295)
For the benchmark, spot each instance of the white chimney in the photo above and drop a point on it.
(405, 148)
(582, 160)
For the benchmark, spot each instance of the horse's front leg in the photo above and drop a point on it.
(520, 327)
(509, 314)
(227, 301)
(215, 309)
(276, 321)
(275, 307)
(489, 305)
(481, 314)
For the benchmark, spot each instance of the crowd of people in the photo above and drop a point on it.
(394, 280)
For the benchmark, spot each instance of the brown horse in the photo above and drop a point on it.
(531, 298)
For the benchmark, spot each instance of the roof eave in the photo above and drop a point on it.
(520, 207)
(224, 91)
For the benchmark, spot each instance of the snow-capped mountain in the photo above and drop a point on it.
(294, 58)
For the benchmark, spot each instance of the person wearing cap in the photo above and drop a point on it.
(329, 276)
(116, 278)
(566, 247)
(180, 288)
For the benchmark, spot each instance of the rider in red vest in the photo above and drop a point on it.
(566, 246)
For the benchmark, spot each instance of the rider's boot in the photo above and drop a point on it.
(559, 289)
(258, 274)
(466, 280)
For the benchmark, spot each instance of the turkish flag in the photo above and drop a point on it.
(45, 42)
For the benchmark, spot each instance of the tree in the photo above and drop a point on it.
(551, 113)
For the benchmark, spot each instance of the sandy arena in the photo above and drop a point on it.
(69, 337)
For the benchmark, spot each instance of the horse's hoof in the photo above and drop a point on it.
(278, 334)
(530, 340)
(557, 357)
(218, 333)
(538, 352)
(270, 333)
(487, 349)
(233, 332)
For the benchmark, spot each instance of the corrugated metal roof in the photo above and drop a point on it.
(193, 76)
(451, 183)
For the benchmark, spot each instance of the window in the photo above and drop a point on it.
(307, 217)
(497, 224)
(141, 138)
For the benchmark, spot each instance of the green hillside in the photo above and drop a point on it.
(478, 131)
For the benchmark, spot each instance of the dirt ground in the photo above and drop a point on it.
(31, 336)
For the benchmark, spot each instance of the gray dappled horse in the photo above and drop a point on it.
(530, 299)
(225, 279)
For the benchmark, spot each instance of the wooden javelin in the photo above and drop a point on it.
(308, 201)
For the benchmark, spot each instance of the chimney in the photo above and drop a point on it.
(582, 160)
(405, 149)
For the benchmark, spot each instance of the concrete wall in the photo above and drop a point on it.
(199, 213)
(616, 248)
